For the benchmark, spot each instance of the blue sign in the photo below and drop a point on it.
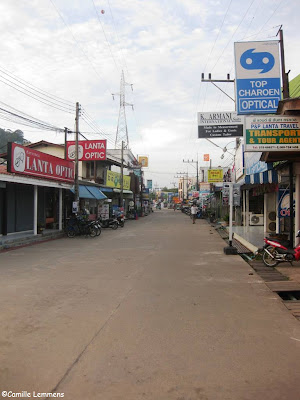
(258, 88)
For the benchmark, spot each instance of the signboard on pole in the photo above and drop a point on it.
(26, 161)
(215, 175)
(257, 70)
(149, 184)
(219, 124)
(143, 161)
(88, 150)
(276, 133)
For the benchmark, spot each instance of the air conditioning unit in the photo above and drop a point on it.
(256, 219)
(271, 221)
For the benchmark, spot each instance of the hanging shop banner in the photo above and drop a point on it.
(257, 71)
(143, 161)
(25, 161)
(215, 175)
(149, 184)
(276, 133)
(113, 179)
(88, 150)
(219, 124)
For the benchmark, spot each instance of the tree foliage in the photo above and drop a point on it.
(10, 136)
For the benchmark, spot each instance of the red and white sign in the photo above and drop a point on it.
(88, 150)
(25, 161)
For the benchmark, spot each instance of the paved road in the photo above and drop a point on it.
(152, 311)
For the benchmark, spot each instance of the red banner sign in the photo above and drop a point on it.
(25, 161)
(88, 150)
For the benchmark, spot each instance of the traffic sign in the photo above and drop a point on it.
(257, 67)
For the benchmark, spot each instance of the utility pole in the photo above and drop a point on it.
(66, 139)
(194, 162)
(285, 75)
(218, 80)
(122, 173)
(183, 176)
(76, 153)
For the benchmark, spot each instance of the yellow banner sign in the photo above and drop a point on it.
(143, 161)
(113, 179)
(215, 175)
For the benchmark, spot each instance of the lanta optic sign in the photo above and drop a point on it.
(257, 71)
(25, 161)
(277, 133)
(219, 124)
(88, 150)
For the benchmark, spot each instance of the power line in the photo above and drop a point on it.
(78, 44)
(36, 97)
(34, 88)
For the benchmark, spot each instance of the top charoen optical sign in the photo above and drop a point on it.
(257, 69)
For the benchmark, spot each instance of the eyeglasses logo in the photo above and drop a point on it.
(19, 159)
(260, 60)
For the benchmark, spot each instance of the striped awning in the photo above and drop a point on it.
(269, 176)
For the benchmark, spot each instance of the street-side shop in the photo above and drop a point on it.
(32, 188)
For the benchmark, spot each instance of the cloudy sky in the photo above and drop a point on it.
(55, 53)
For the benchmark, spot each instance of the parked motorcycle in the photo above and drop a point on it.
(79, 226)
(120, 218)
(277, 251)
(112, 223)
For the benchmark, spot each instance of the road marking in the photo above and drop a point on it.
(298, 340)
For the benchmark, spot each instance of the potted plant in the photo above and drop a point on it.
(40, 228)
(226, 219)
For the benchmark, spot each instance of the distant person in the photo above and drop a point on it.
(174, 206)
(194, 210)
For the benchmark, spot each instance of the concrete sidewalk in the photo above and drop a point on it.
(152, 311)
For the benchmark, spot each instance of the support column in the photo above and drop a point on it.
(297, 203)
(60, 211)
(244, 208)
(247, 209)
(265, 212)
(35, 209)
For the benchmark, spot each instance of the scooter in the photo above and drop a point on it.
(120, 218)
(276, 251)
(109, 223)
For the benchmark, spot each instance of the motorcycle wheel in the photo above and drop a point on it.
(98, 230)
(267, 259)
(71, 233)
(121, 224)
(92, 232)
(114, 226)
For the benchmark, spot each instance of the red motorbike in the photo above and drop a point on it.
(277, 251)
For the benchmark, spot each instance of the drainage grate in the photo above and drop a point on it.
(290, 296)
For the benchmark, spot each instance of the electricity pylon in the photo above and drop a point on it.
(122, 132)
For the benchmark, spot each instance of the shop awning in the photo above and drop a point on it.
(269, 176)
(96, 192)
(88, 192)
(106, 189)
(128, 193)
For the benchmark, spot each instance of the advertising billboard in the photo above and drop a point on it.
(215, 175)
(113, 179)
(219, 124)
(88, 150)
(257, 71)
(272, 133)
(25, 161)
